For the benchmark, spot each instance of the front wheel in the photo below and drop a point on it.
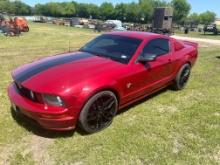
(98, 112)
(182, 77)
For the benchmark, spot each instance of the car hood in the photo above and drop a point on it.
(58, 73)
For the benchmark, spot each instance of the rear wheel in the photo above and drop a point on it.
(98, 112)
(182, 77)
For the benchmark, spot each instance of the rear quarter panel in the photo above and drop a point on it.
(188, 54)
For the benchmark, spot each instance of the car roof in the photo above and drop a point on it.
(136, 34)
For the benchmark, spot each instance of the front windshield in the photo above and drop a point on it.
(115, 47)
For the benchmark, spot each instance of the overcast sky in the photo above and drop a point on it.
(197, 5)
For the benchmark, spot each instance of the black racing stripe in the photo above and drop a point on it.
(49, 64)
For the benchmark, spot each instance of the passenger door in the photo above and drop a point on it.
(149, 76)
(158, 72)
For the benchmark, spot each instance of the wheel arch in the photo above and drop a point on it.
(100, 89)
(111, 89)
(188, 62)
(81, 121)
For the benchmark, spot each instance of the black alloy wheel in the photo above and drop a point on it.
(182, 77)
(99, 111)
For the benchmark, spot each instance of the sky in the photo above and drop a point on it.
(198, 6)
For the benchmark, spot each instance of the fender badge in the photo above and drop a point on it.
(129, 85)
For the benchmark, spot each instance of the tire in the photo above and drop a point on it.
(182, 77)
(26, 29)
(215, 32)
(98, 113)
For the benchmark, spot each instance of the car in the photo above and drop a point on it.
(211, 28)
(88, 87)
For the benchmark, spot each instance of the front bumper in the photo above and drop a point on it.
(52, 118)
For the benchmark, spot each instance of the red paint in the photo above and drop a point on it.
(77, 81)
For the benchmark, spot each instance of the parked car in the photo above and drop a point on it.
(88, 87)
(211, 28)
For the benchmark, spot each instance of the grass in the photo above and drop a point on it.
(167, 128)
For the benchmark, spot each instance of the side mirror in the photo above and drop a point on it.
(147, 58)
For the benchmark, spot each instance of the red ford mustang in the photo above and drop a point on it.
(88, 87)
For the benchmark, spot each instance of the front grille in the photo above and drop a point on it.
(24, 92)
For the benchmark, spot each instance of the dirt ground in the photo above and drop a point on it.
(199, 40)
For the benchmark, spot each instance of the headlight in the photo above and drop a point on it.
(53, 100)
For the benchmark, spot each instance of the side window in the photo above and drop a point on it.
(157, 46)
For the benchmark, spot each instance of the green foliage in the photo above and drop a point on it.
(140, 12)
(15, 7)
(82, 10)
(129, 12)
(93, 11)
(56, 9)
(146, 8)
(193, 19)
(181, 10)
(107, 11)
(168, 128)
(120, 11)
(207, 17)
(68, 9)
(133, 12)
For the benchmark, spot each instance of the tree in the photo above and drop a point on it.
(68, 9)
(120, 11)
(146, 9)
(207, 17)
(82, 10)
(53, 9)
(15, 7)
(181, 10)
(39, 9)
(107, 10)
(160, 3)
(93, 11)
(140, 12)
(21, 8)
(133, 12)
(193, 19)
(65, 9)
(5, 6)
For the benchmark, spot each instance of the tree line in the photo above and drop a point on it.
(140, 12)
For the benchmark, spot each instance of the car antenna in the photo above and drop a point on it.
(69, 45)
